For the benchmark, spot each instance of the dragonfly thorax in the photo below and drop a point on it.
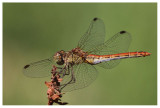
(75, 56)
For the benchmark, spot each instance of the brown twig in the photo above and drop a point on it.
(54, 92)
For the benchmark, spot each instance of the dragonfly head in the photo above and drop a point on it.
(58, 57)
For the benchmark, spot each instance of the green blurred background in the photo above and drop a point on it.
(32, 32)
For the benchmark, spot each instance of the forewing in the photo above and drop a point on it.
(94, 36)
(84, 74)
(119, 43)
(39, 69)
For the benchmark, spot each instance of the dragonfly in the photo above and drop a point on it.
(78, 65)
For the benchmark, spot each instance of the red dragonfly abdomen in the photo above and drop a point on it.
(95, 59)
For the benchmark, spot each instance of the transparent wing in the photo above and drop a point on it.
(119, 43)
(94, 36)
(84, 74)
(39, 69)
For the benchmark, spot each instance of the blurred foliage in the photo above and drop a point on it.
(35, 31)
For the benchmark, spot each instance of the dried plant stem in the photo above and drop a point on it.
(54, 91)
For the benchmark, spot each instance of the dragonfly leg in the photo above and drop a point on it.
(72, 80)
(61, 70)
(65, 70)
(68, 70)
(73, 76)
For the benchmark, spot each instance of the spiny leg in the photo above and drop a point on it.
(72, 78)
(62, 70)
(67, 71)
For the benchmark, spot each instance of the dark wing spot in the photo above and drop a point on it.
(95, 19)
(121, 32)
(26, 66)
